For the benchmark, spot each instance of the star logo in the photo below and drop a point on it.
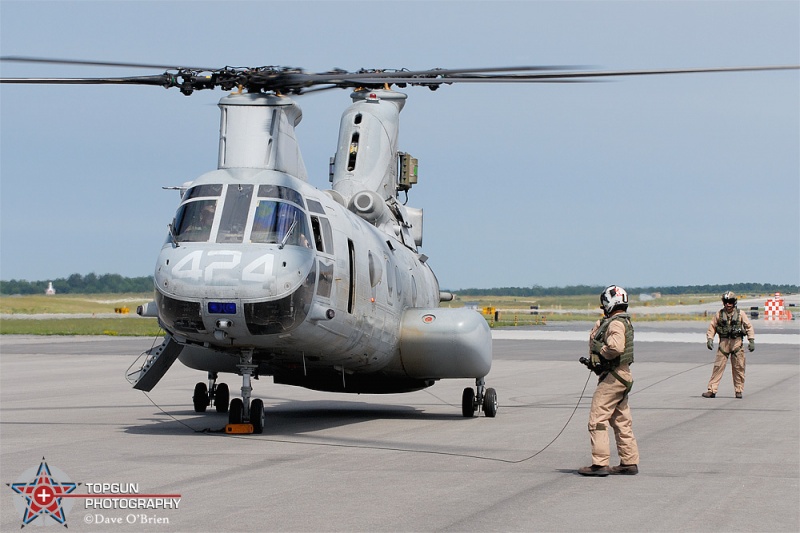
(41, 493)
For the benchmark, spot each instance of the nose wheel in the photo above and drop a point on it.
(211, 394)
(478, 398)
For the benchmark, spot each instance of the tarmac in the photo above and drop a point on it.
(409, 462)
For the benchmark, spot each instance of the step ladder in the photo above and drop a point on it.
(155, 363)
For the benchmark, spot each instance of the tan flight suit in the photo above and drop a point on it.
(610, 403)
(729, 346)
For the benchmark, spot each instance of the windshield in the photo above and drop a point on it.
(194, 220)
(274, 221)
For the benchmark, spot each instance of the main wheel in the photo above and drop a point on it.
(236, 411)
(222, 397)
(490, 403)
(257, 416)
(468, 402)
(200, 398)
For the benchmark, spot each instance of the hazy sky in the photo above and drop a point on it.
(668, 180)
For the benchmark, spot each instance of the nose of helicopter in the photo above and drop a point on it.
(211, 294)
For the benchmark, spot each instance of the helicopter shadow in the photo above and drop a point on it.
(290, 418)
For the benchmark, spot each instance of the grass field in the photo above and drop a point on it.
(71, 303)
(514, 311)
(124, 324)
(133, 326)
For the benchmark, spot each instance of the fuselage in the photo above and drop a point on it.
(330, 292)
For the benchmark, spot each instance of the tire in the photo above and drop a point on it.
(222, 396)
(490, 403)
(200, 398)
(236, 411)
(257, 416)
(468, 403)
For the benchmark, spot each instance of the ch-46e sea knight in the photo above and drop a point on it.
(264, 274)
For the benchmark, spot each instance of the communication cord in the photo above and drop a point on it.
(221, 432)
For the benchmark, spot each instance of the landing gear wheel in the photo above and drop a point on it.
(468, 403)
(257, 416)
(222, 396)
(200, 398)
(236, 411)
(490, 403)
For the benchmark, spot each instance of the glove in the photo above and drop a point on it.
(596, 346)
(752, 345)
(710, 344)
(595, 359)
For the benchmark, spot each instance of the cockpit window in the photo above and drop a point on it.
(280, 192)
(194, 220)
(203, 190)
(273, 221)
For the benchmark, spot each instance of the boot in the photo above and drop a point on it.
(594, 470)
(709, 394)
(630, 470)
(739, 395)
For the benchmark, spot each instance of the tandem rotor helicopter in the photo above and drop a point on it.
(263, 274)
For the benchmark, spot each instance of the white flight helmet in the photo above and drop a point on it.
(613, 298)
(729, 297)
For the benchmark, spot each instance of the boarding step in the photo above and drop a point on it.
(154, 364)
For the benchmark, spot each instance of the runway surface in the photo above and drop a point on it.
(411, 462)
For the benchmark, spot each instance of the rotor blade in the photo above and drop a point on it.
(21, 59)
(163, 80)
(613, 73)
(335, 75)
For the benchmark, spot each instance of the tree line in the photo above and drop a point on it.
(114, 283)
(78, 284)
(580, 290)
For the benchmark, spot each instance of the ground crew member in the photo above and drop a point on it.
(611, 349)
(731, 325)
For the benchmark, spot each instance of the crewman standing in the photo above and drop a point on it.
(611, 351)
(731, 325)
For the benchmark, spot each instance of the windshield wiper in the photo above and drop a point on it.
(288, 233)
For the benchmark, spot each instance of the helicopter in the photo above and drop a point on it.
(263, 274)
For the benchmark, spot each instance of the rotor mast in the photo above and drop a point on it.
(257, 131)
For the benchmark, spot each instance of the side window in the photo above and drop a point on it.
(315, 207)
(325, 279)
(323, 236)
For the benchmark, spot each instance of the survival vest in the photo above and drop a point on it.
(600, 335)
(730, 326)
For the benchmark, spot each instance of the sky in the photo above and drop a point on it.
(651, 181)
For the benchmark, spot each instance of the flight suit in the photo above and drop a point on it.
(610, 402)
(729, 346)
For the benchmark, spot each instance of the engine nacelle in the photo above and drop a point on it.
(444, 343)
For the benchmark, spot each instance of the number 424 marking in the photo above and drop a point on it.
(259, 270)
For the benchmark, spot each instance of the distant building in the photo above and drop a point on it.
(50, 290)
